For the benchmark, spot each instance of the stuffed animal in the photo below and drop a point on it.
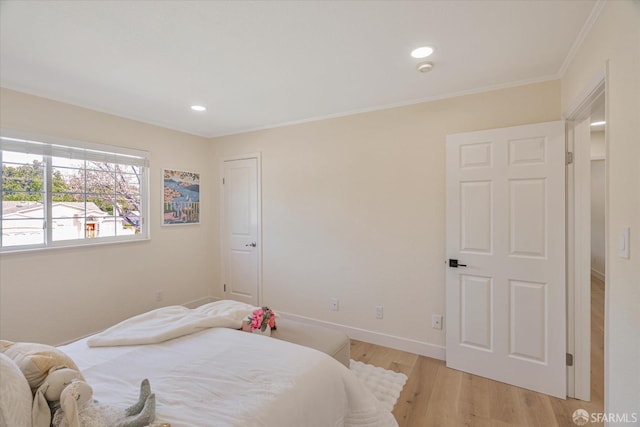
(77, 408)
(36, 360)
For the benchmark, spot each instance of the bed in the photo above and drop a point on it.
(220, 376)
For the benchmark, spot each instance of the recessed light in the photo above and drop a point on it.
(198, 108)
(422, 52)
(598, 123)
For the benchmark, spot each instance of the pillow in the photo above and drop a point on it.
(15, 395)
(35, 360)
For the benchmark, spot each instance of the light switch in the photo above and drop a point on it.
(623, 242)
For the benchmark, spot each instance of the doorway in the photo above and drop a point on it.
(587, 251)
(598, 245)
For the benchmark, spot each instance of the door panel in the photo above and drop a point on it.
(475, 207)
(475, 312)
(527, 218)
(506, 223)
(527, 320)
(240, 231)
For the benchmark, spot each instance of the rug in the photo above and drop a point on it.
(385, 385)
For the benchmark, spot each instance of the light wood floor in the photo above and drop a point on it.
(435, 395)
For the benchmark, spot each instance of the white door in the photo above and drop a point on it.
(506, 229)
(241, 244)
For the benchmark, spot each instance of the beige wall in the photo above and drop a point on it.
(615, 39)
(354, 207)
(57, 295)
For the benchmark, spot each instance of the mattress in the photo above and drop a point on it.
(226, 377)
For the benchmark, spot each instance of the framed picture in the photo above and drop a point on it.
(180, 198)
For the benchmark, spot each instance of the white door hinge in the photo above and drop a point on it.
(569, 157)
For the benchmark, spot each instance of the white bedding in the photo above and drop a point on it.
(224, 377)
(165, 323)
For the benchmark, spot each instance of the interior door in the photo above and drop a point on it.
(506, 229)
(241, 246)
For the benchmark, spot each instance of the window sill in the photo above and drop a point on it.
(61, 246)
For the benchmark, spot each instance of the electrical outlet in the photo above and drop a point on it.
(379, 312)
(436, 321)
(159, 296)
(334, 304)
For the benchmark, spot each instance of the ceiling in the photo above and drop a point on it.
(259, 64)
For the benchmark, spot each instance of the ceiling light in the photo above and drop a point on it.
(422, 52)
(424, 67)
(198, 108)
(598, 123)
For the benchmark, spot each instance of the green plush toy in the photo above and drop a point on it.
(77, 408)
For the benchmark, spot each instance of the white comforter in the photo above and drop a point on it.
(170, 322)
(224, 377)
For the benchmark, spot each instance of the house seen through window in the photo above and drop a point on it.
(61, 195)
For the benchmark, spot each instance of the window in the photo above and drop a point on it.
(66, 193)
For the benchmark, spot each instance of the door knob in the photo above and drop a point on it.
(454, 263)
(252, 244)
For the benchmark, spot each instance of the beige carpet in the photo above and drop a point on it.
(385, 385)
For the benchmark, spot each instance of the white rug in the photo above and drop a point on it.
(385, 385)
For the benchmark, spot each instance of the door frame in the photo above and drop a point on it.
(223, 223)
(579, 289)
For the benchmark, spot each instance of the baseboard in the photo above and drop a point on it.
(598, 275)
(405, 344)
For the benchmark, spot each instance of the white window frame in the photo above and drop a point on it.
(48, 147)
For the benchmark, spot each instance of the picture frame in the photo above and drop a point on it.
(180, 197)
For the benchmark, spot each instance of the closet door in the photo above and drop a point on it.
(240, 230)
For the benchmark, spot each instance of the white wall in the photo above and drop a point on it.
(598, 148)
(598, 218)
(598, 156)
(57, 295)
(354, 208)
(615, 40)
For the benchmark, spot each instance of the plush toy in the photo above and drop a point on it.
(76, 407)
(36, 360)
